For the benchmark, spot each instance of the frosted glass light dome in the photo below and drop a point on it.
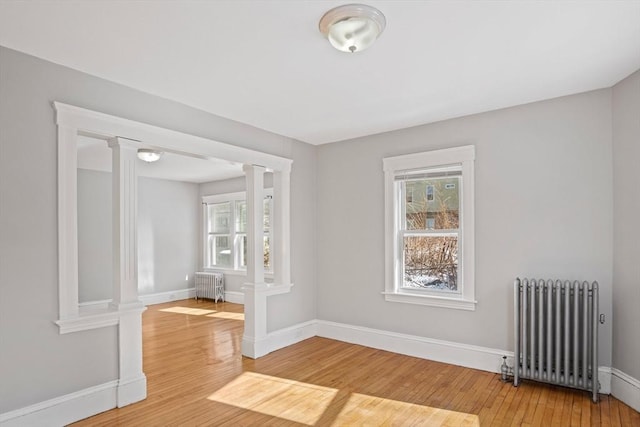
(149, 155)
(353, 27)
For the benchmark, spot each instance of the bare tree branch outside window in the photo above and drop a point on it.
(431, 260)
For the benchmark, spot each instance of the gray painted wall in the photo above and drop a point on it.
(543, 208)
(28, 223)
(168, 235)
(626, 229)
(95, 245)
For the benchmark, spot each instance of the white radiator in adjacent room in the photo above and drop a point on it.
(210, 285)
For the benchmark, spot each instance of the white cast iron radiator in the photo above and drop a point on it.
(210, 285)
(556, 333)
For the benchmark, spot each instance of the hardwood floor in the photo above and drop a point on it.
(197, 376)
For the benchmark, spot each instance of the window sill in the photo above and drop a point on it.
(232, 272)
(430, 300)
(94, 318)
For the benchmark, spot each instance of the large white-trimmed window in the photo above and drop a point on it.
(225, 231)
(429, 228)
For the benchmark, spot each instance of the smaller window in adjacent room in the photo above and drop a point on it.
(429, 236)
(226, 231)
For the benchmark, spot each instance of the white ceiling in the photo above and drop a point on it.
(94, 154)
(266, 64)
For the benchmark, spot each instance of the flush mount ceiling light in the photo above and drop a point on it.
(149, 155)
(352, 27)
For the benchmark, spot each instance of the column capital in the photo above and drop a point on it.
(118, 141)
(246, 168)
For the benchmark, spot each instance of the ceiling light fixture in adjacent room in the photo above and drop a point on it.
(149, 155)
(352, 27)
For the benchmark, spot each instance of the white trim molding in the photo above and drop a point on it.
(234, 297)
(65, 409)
(284, 337)
(460, 159)
(73, 121)
(162, 297)
(98, 316)
(626, 388)
(470, 356)
(293, 334)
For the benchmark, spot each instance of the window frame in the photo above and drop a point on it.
(236, 246)
(464, 297)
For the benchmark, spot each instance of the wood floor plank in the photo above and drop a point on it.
(197, 376)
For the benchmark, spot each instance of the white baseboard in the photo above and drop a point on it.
(276, 340)
(293, 334)
(234, 297)
(160, 297)
(625, 388)
(132, 390)
(65, 409)
(471, 356)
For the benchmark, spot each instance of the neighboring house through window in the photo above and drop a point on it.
(225, 225)
(429, 236)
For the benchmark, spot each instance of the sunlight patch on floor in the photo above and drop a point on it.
(379, 411)
(227, 315)
(291, 400)
(187, 310)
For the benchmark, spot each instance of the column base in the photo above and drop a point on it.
(254, 348)
(131, 390)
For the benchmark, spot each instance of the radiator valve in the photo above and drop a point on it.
(505, 370)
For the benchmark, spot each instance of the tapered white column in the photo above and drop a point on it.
(132, 383)
(255, 223)
(281, 226)
(124, 219)
(255, 298)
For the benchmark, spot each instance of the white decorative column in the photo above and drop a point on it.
(132, 383)
(255, 298)
(281, 227)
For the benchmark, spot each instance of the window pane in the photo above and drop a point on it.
(220, 251)
(431, 262)
(241, 240)
(434, 203)
(266, 253)
(219, 217)
(267, 214)
(241, 216)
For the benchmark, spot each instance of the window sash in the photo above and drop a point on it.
(446, 163)
(237, 231)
